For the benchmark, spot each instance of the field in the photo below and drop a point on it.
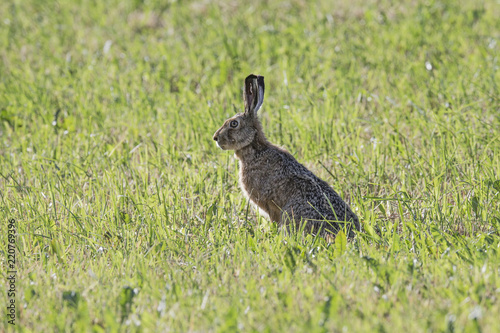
(129, 218)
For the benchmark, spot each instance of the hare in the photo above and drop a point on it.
(273, 179)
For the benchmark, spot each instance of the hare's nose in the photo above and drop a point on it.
(216, 137)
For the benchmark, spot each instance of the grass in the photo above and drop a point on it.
(130, 219)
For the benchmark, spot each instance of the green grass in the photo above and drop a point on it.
(130, 219)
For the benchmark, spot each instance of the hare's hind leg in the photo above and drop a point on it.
(295, 221)
(287, 220)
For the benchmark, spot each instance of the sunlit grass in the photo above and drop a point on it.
(130, 218)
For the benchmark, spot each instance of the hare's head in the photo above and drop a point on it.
(241, 130)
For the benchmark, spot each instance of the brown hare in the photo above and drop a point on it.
(273, 179)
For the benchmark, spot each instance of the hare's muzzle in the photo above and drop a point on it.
(216, 138)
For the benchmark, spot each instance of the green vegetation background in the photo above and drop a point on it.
(130, 219)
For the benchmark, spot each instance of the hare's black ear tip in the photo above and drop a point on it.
(259, 79)
(251, 77)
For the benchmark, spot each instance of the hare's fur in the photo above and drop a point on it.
(273, 179)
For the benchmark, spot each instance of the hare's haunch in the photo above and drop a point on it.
(273, 179)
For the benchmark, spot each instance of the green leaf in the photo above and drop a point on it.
(29, 294)
(382, 209)
(125, 217)
(340, 243)
(56, 249)
(496, 185)
(369, 230)
(72, 298)
(290, 261)
(395, 242)
(475, 204)
(212, 210)
(251, 243)
(126, 298)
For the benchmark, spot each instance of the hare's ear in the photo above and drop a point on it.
(254, 94)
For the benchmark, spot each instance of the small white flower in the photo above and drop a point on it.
(107, 46)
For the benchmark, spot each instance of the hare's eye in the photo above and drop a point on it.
(233, 123)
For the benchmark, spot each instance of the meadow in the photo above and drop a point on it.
(129, 218)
